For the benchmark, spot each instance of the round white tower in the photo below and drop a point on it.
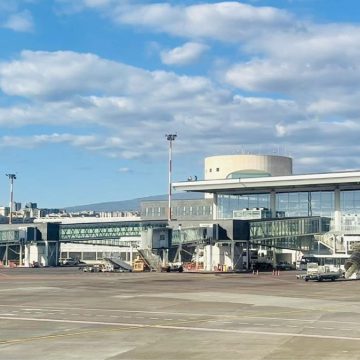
(245, 166)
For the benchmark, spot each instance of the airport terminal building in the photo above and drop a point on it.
(246, 203)
(313, 214)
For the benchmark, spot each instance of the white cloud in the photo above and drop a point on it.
(227, 21)
(56, 75)
(124, 170)
(21, 21)
(319, 85)
(97, 3)
(315, 64)
(38, 140)
(183, 55)
(71, 89)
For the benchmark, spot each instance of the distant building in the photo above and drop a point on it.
(31, 205)
(4, 211)
(17, 206)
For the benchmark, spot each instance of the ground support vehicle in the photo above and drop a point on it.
(320, 273)
(171, 267)
(93, 268)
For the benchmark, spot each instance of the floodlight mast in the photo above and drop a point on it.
(170, 138)
(11, 177)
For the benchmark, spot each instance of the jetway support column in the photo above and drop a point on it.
(46, 254)
(210, 256)
(20, 255)
(337, 209)
(232, 253)
(27, 255)
(6, 255)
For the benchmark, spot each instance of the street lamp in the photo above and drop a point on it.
(170, 138)
(11, 177)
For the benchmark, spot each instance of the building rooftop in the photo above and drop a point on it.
(349, 180)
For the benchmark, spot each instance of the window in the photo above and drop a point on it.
(217, 169)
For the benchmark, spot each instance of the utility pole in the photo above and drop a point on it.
(11, 177)
(170, 138)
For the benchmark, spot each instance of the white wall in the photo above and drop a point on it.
(227, 164)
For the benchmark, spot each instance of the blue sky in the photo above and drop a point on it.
(89, 88)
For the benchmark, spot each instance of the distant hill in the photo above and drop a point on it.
(130, 205)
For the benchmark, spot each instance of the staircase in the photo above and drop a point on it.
(332, 240)
(118, 263)
(152, 261)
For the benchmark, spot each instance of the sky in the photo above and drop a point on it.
(90, 88)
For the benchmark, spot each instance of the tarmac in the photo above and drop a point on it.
(64, 313)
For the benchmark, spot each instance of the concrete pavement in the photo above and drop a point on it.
(63, 313)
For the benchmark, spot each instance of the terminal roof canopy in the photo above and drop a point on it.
(349, 180)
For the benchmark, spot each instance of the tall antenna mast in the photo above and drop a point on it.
(11, 177)
(170, 138)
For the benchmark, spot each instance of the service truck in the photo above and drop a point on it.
(324, 272)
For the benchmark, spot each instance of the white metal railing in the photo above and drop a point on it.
(333, 241)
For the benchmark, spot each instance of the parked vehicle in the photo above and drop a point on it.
(320, 273)
(284, 265)
(304, 261)
(171, 267)
(70, 262)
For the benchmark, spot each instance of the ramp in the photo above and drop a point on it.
(119, 263)
(152, 261)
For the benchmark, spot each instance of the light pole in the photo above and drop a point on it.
(11, 177)
(170, 138)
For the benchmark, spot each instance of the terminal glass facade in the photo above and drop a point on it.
(228, 203)
(292, 204)
(350, 201)
(314, 203)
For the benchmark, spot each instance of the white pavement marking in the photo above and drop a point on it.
(196, 329)
(61, 310)
(223, 316)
